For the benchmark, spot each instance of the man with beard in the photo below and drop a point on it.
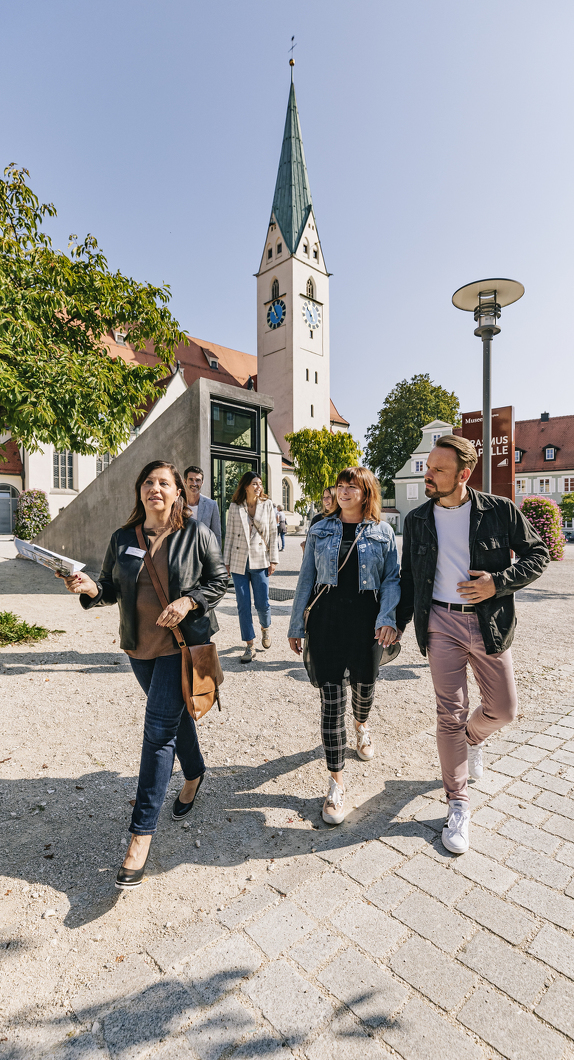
(459, 580)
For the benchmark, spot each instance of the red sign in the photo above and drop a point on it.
(502, 449)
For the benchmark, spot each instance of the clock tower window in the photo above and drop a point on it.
(269, 253)
(307, 375)
(310, 288)
(275, 289)
(316, 253)
(279, 249)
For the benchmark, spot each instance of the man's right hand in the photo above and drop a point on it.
(397, 637)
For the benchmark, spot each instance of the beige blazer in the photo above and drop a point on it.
(239, 548)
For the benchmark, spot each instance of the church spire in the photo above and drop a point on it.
(292, 199)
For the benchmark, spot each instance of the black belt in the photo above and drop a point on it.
(467, 608)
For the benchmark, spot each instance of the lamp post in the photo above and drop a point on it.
(485, 299)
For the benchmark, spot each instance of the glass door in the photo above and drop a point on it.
(225, 475)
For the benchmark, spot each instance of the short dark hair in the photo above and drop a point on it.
(466, 454)
(196, 471)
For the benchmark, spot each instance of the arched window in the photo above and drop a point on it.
(306, 248)
(310, 288)
(275, 289)
(286, 495)
(279, 248)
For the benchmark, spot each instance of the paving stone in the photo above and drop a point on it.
(221, 968)
(549, 743)
(431, 920)
(497, 915)
(483, 870)
(344, 1040)
(340, 846)
(500, 747)
(387, 893)
(420, 1034)
(566, 854)
(428, 970)
(560, 826)
(557, 1007)
(544, 780)
(522, 791)
(511, 767)
(539, 867)
(261, 1045)
(565, 758)
(433, 815)
(320, 896)
(490, 843)
(363, 986)
(521, 810)
(290, 874)
(371, 862)
(291, 1004)
(368, 926)
(567, 773)
(555, 948)
(510, 971)
(176, 950)
(528, 753)
(550, 767)
(131, 1031)
(531, 837)
(80, 1047)
(515, 1033)
(173, 1049)
(247, 905)
(408, 809)
(489, 783)
(408, 838)
(215, 1031)
(563, 732)
(280, 928)
(557, 803)
(314, 951)
(487, 817)
(441, 883)
(544, 902)
(520, 735)
(109, 990)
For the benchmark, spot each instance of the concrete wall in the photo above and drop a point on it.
(181, 436)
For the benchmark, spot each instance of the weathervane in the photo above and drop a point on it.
(291, 60)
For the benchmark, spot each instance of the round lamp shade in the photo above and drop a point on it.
(507, 291)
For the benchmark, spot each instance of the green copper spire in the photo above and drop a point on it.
(292, 200)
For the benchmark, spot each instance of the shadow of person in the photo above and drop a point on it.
(62, 662)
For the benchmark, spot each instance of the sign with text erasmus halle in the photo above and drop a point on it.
(502, 451)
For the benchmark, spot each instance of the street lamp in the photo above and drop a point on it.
(485, 299)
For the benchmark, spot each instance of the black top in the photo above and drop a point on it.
(317, 519)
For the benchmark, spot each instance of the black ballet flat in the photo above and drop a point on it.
(181, 809)
(127, 878)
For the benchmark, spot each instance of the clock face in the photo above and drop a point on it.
(276, 313)
(312, 315)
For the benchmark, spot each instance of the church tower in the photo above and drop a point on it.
(293, 298)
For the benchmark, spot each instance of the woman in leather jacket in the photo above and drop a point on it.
(190, 568)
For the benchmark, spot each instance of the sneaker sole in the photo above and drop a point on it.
(364, 757)
(333, 820)
(452, 850)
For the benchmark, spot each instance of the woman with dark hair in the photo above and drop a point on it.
(250, 555)
(188, 562)
(348, 590)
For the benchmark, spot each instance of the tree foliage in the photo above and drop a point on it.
(544, 514)
(58, 383)
(397, 432)
(567, 506)
(319, 456)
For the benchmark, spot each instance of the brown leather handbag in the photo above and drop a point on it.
(201, 673)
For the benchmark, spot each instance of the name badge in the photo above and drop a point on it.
(139, 552)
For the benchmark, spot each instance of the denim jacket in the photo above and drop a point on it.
(378, 568)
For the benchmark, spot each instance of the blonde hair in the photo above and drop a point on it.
(365, 480)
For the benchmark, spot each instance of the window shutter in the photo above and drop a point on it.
(528, 490)
(561, 485)
(553, 485)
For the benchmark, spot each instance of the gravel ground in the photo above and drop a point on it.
(72, 718)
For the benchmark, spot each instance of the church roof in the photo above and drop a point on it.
(292, 199)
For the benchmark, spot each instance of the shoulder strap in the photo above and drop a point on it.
(339, 569)
(150, 567)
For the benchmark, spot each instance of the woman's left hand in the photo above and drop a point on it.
(174, 613)
(385, 635)
(271, 568)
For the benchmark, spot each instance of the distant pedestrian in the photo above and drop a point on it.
(202, 508)
(458, 579)
(328, 507)
(250, 555)
(349, 584)
(189, 566)
(281, 526)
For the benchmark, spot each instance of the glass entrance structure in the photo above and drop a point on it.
(238, 444)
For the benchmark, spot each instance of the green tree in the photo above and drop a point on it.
(397, 432)
(319, 456)
(58, 382)
(567, 506)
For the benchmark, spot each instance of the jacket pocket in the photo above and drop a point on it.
(489, 544)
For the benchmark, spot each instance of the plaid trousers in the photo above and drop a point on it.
(333, 728)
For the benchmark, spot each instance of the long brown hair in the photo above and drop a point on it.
(362, 477)
(180, 510)
(334, 506)
(240, 494)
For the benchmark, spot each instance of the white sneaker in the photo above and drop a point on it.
(455, 832)
(475, 763)
(365, 749)
(334, 805)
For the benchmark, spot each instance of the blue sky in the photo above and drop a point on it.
(438, 136)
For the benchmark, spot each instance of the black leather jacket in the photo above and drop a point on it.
(496, 527)
(195, 569)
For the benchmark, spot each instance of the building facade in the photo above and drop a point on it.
(544, 458)
(409, 482)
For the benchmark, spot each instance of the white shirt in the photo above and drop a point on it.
(453, 560)
(194, 510)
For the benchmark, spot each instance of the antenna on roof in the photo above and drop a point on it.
(291, 60)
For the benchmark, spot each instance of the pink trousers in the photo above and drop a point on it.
(454, 639)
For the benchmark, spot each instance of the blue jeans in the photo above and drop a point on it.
(281, 534)
(168, 730)
(259, 580)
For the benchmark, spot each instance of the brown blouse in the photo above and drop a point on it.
(153, 640)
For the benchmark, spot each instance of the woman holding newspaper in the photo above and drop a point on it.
(188, 562)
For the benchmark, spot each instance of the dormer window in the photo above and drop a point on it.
(275, 289)
(550, 453)
(279, 249)
(211, 358)
(435, 437)
(120, 338)
(269, 253)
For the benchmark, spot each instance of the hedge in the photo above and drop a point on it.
(32, 514)
(546, 518)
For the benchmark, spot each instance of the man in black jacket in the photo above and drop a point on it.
(458, 579)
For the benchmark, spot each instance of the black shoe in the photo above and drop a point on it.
(181, 809)
(130, 877)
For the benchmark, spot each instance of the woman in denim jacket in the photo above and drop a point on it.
(351, 621)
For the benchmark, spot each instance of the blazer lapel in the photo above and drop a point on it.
(245, 521)
(201, 509)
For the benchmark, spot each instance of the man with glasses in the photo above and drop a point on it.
(202, 508)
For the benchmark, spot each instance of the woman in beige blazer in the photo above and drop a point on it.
(250, 555)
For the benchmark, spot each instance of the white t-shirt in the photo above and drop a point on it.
(453, 560)
(194, 510)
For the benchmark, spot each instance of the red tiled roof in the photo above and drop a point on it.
(160, 386)
(10, 462)
(335, 417)
(534, 436)
(234, 368)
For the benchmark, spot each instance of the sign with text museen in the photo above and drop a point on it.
(502, 449)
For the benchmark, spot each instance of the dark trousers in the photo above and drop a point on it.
(333, 728)
(168, 731)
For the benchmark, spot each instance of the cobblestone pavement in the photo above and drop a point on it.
(363, 942)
